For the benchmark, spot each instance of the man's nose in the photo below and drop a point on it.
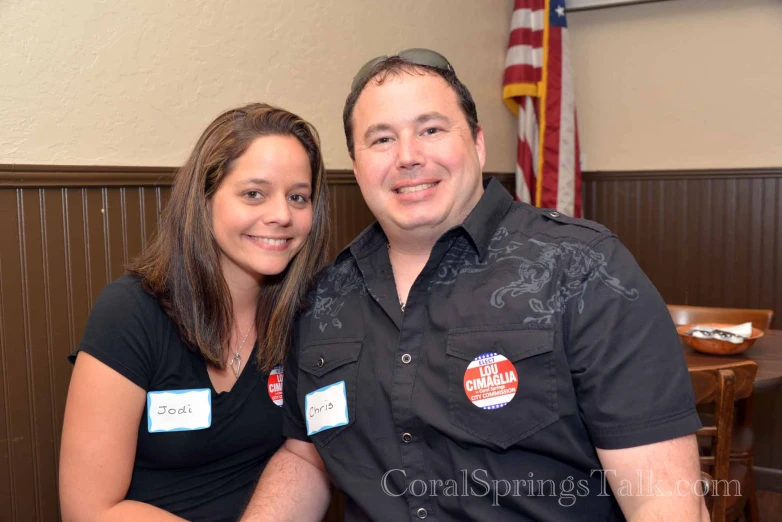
(409, 153)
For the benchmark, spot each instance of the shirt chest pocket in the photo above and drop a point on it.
(324, 364)
(502, 382)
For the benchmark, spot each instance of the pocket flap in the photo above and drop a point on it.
(320, 358)
(513, 341)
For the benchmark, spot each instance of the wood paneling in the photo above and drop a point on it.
(704, 238)
(64, 238)
(770, 504)
(349, 214)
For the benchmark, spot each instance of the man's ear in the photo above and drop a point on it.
(480, 146)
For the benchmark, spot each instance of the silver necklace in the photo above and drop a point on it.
(237, 359)
(401, 303)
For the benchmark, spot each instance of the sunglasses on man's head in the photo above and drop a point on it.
(424, 57)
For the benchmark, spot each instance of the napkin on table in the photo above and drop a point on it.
(740, 332)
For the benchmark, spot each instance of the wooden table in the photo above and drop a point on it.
(766, 352)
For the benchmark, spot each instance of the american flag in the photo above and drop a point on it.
(538, 87)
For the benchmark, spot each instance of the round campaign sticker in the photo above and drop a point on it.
(275, 385)
(490, 381)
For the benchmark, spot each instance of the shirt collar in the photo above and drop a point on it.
(480, 225)
(366, 242)
(482, 222)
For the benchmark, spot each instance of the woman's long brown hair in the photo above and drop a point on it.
(181, 266)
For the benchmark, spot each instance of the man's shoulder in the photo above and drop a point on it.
(340, 265)
(338, 278)
(326, 302)
(552, 223)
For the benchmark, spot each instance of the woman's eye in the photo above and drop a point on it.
(298, 198)
(253, 194)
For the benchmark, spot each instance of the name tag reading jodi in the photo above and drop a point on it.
(179, 410)
(326, 408)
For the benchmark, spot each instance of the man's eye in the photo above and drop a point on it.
(381, 141)
(432, 130)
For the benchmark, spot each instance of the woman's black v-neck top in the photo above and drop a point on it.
(207, 474)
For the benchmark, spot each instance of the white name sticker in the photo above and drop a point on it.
(179, 410)
(326, 408)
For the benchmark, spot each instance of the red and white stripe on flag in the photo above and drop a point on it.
(538, 87)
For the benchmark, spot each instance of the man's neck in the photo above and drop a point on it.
(418, 241)
(406, 265)
(408, 253)
(410, 247)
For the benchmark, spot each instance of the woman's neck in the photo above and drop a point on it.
(244, 300)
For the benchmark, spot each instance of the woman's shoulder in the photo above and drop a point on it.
(129, 282)
(128, 292)
(124, 330)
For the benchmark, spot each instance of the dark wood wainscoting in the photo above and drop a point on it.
(349, 214)
(707, 238)
(66, 232)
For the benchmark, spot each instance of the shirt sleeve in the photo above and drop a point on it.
(625, 356)
(293, 424)
(117, 332)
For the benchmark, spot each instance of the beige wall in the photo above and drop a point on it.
(683, 84)
(118, 82)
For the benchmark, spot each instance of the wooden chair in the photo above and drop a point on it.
(684, 314)
(743, 443)
(721, 386)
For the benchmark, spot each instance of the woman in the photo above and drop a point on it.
(173, 406)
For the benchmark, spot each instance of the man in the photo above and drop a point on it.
(469, 357)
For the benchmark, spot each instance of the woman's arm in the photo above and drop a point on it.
(99, 436)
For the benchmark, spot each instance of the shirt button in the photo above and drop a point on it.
(407, 438)
(406, 358)
(554, 214)
(421, 513)
(321, 362)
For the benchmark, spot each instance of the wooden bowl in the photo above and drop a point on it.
(716, 346)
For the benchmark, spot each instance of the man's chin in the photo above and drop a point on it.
(414, 224)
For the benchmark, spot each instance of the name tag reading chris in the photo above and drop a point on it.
(326, 408)
(179, 410)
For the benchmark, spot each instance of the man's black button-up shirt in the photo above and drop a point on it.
(528, 339)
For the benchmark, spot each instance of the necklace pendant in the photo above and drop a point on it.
(236, 364)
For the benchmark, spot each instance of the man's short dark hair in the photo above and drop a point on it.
(394, 66)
